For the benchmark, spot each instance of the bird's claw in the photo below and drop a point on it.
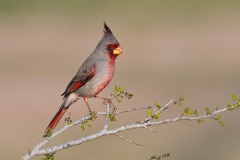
(93, 115)
(106, 100)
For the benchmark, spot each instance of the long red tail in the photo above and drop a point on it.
(55, 120)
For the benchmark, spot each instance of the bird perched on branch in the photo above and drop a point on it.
(92, 77)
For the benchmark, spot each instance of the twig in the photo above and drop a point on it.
(150, 129)
(130, 141)
(166, 106)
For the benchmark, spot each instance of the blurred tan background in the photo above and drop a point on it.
(170, 47)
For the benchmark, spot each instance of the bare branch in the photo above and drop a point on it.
(106, 116)
(130, 141)
(150, 129)
(166, 106)
(135, 109)
(105, 131)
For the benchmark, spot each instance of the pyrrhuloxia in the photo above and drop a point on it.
(92, 77)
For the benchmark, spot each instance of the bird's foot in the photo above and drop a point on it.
(108, 101)
(93, 115)
(105, 100)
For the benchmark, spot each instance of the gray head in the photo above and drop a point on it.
(108, 45)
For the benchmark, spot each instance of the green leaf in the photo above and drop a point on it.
(118, 90)
(236, 105)
(157, 105)
(93, 116)
(119, 100)
(181, 98)
(89, 125)
(188, 111)
(195, 112)
(184, 99)
(218, 117)
(68, 120)
(156, 116)
(222, 123)
(229, 104)
(234, 97)
(119, 94)
(128, 95)
(208, 111)
(201, 120)
(83, 127)
(49, 156)
(149, 113)
(87, 121)
(112, 117)
(48, 133)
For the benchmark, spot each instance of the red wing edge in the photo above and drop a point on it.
(76, 84)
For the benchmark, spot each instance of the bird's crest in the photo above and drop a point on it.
(107, 30)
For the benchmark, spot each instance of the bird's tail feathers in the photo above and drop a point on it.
(55, 120)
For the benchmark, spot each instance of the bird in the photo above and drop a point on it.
(92, 77)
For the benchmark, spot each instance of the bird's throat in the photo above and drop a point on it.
(112, 57)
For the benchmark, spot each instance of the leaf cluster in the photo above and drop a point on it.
(188, 111)
(68, 120)
(180, 100)
(235, 104)
(49, 156)
(48, 133)
(166, 155)
(155, 112)
(218, 118)
(153, 115)
(112, 117)
(93, 116)
(119, 94)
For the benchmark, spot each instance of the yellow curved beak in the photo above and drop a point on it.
(118, 50)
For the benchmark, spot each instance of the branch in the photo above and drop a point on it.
(130, 141)
(150, 121)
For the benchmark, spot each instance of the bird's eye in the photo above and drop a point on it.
(109, 47)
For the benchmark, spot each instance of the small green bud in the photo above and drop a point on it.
(201, 120)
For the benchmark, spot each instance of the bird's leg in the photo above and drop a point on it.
(91, 113)
(86, 101)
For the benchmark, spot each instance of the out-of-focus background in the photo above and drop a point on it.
(170, 47)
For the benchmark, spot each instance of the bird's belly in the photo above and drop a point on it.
(96, 84)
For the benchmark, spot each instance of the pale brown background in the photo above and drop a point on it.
(170, 47)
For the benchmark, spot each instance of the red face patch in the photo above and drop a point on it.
(111, 47)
